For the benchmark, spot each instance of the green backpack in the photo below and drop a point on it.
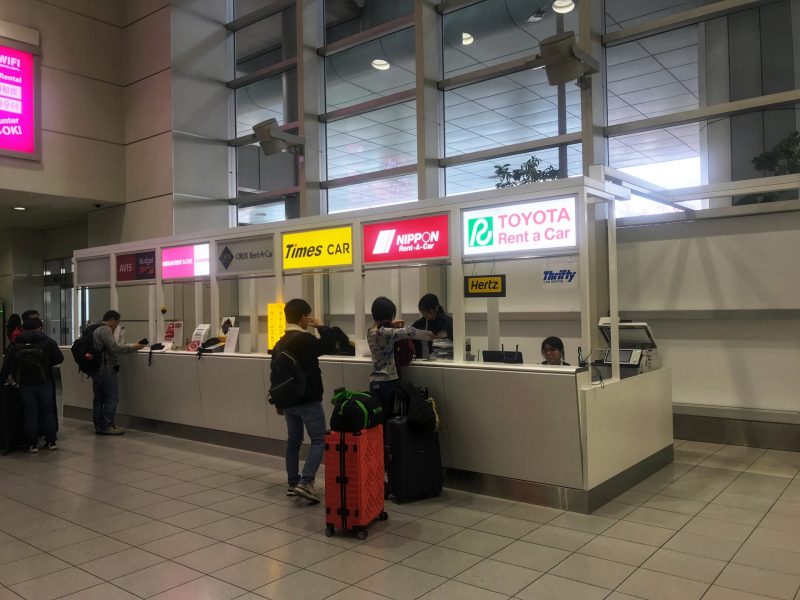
(354, 411)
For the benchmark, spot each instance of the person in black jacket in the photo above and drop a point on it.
(29, 364)
(306, 348)
(434, 319)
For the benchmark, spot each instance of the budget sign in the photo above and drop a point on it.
(425, 237)
(17, 103)
(532, 226)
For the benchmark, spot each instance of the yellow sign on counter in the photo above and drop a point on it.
(318, 248)
(276, 323)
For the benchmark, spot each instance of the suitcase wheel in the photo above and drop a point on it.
(361, 534)
(329, 531)
(383, 516)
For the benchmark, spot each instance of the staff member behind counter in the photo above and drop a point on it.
(434, 319)
(553, 351)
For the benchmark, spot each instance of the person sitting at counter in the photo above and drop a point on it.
(553, 351)
(433, 319)
(382, 337)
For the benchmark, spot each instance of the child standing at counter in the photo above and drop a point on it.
(382, 337)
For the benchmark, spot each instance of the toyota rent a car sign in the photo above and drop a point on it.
(417, 239)
(532, 226)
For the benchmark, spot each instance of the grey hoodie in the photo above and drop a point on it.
(104, 340)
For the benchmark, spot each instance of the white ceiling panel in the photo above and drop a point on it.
(633, 68)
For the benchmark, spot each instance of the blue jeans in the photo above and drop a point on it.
(313, 417)
(37, 405)
(384, 391)
(105, 385)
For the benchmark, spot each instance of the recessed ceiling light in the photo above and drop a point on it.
(380, 64)
(563, 6)
(466, 39)
(19, 208)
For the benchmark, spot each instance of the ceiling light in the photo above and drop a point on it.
(19, 208)
(466, 39)
(537, 15)
(563, 6)
(380, 64)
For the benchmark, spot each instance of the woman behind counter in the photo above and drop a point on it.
(435, 320)
(553, 351)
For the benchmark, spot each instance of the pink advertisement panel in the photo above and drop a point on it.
(185, 261)
(17, 101)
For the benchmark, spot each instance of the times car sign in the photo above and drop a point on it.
(529, 227)
(408, 239)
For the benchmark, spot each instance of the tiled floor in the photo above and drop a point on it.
(147, 516)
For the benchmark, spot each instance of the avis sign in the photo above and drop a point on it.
(417, 239)
(530, 227)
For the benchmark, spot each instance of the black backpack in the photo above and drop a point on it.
(88, 359)
(418, 406)
(287, 380)
(30, 364)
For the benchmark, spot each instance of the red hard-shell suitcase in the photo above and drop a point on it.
(353, 480)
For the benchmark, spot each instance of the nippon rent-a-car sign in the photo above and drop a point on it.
(529, 227)
(418, 239)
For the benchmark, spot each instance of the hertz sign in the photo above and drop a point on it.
(318, 248)
(485, 286)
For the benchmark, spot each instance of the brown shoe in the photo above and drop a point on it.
(112, 431)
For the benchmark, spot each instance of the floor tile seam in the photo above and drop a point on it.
(760, 593)
(69, 566)
(637, 569)
(162, 591)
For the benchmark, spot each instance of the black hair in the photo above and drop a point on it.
(32, 324)
(28, 314)
(430, 302)
(383, 309)
(111, 315)
(14, 321)
(555, 343)
(296, 309)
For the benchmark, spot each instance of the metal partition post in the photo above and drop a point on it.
(159, 299)
(198, 303)
(395, 291)
(253, 310)
(456, 300)
(493, 323)
(585, 281)
(214, 283)
(428, 39)
(76, 301)
(613, 289)
(113, 299)
(152, 311)
(319, 296)
(359, 308)
(278, 265)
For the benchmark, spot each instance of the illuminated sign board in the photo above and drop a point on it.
(185, 261)
(276, 323)
(18, 114)
(245, 256)
(519, 228)
(422, 238)
(485, 286)
(136, 267)
(318, 248)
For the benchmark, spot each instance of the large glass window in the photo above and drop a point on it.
(382, 192)
(507, 110)
(496, 31)
(263, 44)
(271, 98)
(481, 175)
(374, 141)
(345, 18)
(372, 70)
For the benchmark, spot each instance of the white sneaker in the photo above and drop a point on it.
(306, 490)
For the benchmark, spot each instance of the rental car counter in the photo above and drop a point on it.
(542, 434)
(535, 433)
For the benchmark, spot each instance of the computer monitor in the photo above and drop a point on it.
(509, 357)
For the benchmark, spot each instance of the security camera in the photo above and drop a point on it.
(98, 205)
(563, 60)
(273, 140)
(537, 15)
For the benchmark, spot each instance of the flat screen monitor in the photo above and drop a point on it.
(508, 357)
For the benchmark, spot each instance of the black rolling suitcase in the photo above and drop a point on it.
(413, 462)
(12, 425)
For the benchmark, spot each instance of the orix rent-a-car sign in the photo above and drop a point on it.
(418, 239)
(318, 248)
(519, 228)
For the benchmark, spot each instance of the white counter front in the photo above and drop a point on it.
(543, 434)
